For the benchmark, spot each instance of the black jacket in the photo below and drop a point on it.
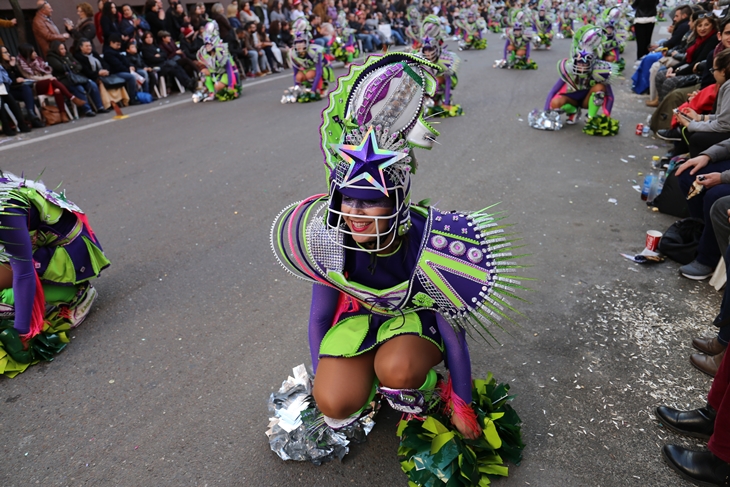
(61, 66)
(645, 8)
(707, 48)
(679, 31)
(118, 62)
(86, 65)
(152, 55)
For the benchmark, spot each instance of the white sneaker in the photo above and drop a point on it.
(78, 313)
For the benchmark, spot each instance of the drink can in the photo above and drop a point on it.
(639, 128)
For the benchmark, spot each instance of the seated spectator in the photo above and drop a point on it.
(704, 150)
(276, 12)
(8, 100)
(141, 68)
(173, 53)
(155, 58)
(32, 67)
(85, 28)
(95, 68)
(297, 11)
(275, 34)
(257, 57)
(119, 65)
(64, 67)
(688, 74)
(154, 14)
(198, 16)
(363, 32)
(20, 88)
(261, 39)
(373, 22)
(175, 18)
(191, 41)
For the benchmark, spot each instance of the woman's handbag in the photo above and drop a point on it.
(53, 115)
(75, 78)
(113, 81)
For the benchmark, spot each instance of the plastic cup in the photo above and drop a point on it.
(652, 239)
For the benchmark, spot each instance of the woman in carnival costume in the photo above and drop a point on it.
(221, 80)
(397, 287)
(48, 255)
(614, 37)
(566, 17)
(432, 50)
(344, 47)
(542, 24)
(516, 46)
(494, 22)
(312, 70)
(471, 27)
(584, 83)
(413, 31)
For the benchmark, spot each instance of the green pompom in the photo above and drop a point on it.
(601, 126)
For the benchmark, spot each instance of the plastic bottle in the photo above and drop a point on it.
(655, 162)
(645, 131)
(647, 186)
(660, 186)
(653, 187)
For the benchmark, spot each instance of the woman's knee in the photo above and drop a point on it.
(337, 404)
(401, 372)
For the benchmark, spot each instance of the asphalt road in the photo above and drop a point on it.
(167, 381)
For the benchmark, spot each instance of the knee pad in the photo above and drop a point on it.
(411, 401)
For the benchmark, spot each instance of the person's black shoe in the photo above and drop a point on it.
(37, 123)
(23, 127)
(90, 114)
(103, 110)
(699, 467)
(134, 102)
(669, 134)
(698, 423)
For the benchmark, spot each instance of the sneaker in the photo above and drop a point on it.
(573, 117)
(669, 134)
(696, 271)
(78, 313)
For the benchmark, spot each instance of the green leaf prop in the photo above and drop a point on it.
(433, 453)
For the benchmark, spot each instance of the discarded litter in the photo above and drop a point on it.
(624, 160)
(613, 200)
(632, 157)
(651, 146)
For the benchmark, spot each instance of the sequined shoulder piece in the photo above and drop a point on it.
(465, 270)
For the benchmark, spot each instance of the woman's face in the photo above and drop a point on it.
(33, 55)
(199, 9)
(80, 13)
(246, 6)
(148, 39)
(704, 27)
(5, 54)
(62, 50)
(719, 74)
(113, 9)
(179, 9)
(127, 12)
(358, 216)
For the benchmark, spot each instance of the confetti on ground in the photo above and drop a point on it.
(624, 160)
(652, 146)
(613, 200)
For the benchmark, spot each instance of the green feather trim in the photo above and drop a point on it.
(432, 452)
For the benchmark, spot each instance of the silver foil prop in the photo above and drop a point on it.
(293, 93)
(545, 119)
(297, 430)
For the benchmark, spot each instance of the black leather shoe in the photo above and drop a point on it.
(699, 467)
(37, 123)
(698, 423)
(669, 134)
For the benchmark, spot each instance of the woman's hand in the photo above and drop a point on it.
(670, 73)
(709, 180)
(692, 95)
(691, 114)
(464, 429)
(696, 163)
(683, 121)
(19, 80)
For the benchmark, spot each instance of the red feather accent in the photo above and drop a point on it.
(346, 304)
(37, 317)
(85, 221)
(458, 406)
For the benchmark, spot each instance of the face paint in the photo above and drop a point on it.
(357, 204)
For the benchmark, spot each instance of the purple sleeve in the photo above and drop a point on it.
(528, 49)
(16, 239)
(294, 71)
(229, 72)
(321, 314)
(447, 89)
(554, 91)
(506, 45)
(318, 74)
(457, 359)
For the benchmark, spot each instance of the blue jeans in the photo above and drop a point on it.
(320, 41)
(25, 93)
(397, 37)
(89, 89)
(368, 40)
(708, 253)
(131, 84)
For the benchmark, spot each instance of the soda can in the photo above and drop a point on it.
(639, 128)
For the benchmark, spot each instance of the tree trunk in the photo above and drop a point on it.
(18, 12)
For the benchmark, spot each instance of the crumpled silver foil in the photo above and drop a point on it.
(545, 120)
(292, 94)
(297, 430)
(499, 63)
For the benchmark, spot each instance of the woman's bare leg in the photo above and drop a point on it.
(403, 362)
(343, 385)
